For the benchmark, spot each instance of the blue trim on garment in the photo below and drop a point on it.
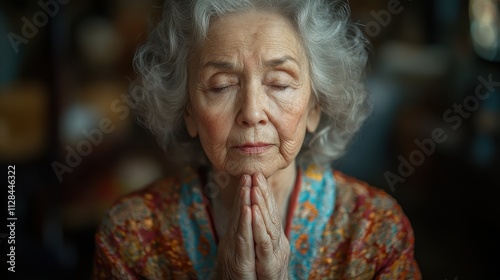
(195, 226)
(318, 189)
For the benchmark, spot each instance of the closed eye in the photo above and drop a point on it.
(220, 89)
(280, 88)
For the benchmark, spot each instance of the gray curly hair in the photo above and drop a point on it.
(335, 47)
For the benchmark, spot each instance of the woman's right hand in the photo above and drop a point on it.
(236, 252)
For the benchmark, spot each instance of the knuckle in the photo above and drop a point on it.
(276, 221)
(275, 218)
(274, 233)
(266, 245)
(267, 195)
(261, 224)
(241, 241)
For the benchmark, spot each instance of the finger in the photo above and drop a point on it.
(271, 229)
(263, 244)
(263, 197)
(247, 185)
(234, 217)
(268, 197)
(243, 223)
(244, 236)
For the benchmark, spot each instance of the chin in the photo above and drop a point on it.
(238, 168)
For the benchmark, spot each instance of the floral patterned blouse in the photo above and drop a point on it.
(338, 228)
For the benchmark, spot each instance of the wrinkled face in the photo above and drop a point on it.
(250, 99)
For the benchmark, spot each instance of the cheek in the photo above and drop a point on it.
(214, 117)
(213, 128)
(291, 127)
(290, 118)
(209, 121)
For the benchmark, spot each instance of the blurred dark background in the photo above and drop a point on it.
(65, 124)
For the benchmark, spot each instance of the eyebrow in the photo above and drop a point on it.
(280, 61)
(224, 65)
(220, 64)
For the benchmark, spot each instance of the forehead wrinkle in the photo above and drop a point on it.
(282, 47)
(229, 58)
(262, 48)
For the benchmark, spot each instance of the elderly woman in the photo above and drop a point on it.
(254, 99)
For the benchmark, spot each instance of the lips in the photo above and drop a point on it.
(254, 148)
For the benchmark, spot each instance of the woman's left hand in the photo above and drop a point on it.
(272, 249)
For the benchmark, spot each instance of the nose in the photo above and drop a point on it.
(253, 107)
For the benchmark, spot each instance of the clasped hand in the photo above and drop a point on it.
(255, 245)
